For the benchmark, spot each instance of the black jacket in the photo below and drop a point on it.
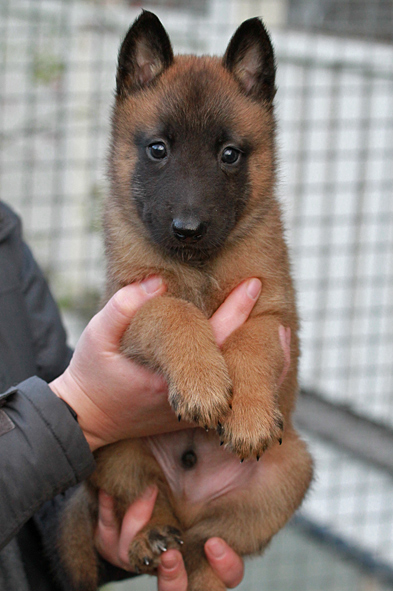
(42, 449)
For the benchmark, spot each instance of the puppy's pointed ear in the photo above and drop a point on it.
(144, 54)
(250, 58)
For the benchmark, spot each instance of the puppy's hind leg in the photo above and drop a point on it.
(248, 517)
(76, 541)
(201, 576)
(159, 535)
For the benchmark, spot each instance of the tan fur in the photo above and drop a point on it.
(235, 387)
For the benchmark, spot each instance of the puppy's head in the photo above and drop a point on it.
(192, 158)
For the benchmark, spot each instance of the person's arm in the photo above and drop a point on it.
(42, 452)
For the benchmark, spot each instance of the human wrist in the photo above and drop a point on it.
(64, 388)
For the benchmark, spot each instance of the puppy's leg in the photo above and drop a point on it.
(76, 540)
(255, 363)
(124, 470)
(248, 519)
(159, 535)
(173, 336)
(201, 577)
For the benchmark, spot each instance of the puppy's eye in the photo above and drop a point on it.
(157, 151)
(230, 155)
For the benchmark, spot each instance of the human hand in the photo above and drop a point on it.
(115, 398)
(113, 545)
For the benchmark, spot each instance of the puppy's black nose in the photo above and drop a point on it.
(188, 229)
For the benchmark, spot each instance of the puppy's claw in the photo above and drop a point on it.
(219, 428)
(146, 561)
(206, 428)
(179, 418)
(162, 547)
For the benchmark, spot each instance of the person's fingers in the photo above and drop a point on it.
(171, 572)
(107, 532)
(284, 334)
(136, 517)
(225, 562)
(235, 309)
(113, 543)
(115, 316)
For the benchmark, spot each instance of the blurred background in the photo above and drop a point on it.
(335, 137)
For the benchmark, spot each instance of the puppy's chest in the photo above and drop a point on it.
(201, 289)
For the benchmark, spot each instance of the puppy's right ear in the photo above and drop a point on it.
(144, 54)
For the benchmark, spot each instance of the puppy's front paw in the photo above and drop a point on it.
(203, 393)
(249, 432)
(148, 545)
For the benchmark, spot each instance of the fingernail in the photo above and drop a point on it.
(216, 547)
(148, 492)
(254, 288)
(105, 497)
(152, 284)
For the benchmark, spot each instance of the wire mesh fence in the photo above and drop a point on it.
(335, 126)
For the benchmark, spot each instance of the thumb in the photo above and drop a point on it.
(111, 322)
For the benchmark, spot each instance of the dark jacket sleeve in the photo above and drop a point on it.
(42, 453)
(42, 448)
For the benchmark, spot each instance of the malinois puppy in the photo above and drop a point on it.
(192, 170)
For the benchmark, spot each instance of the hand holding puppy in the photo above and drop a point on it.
(114, 397)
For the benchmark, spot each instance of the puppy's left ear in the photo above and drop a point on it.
(250, 58)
